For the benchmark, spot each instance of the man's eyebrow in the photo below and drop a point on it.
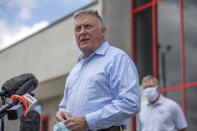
(88, 24)
(77, 26)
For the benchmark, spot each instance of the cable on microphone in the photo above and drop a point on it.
(23, 101)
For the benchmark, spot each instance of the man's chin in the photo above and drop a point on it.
(85, 46)
(86, 50)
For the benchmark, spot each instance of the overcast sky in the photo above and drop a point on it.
(21, 18)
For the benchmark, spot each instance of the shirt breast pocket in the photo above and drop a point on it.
(69, 90)
(164, 116)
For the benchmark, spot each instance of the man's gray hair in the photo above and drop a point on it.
(150, 77)
(89, 12)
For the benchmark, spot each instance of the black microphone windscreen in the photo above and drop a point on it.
(31, 122)
(13, 84)
(29, 86)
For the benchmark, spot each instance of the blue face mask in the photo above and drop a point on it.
(151, 93)
(60, 127)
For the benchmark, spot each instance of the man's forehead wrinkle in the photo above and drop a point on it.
(83, 24)
(77, 23)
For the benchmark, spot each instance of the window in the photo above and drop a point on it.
(163, 41)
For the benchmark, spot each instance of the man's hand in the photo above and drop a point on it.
(61, 116)
(75, 123)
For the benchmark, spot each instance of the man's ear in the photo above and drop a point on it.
(158, 88)
(103, 29)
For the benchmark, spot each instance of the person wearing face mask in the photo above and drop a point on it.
(158, 113)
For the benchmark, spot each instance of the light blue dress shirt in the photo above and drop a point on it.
(164, 115)
(104, 87)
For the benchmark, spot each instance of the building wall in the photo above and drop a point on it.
(49, 107)
(117, 18)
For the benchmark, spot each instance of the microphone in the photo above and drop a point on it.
(10, 87)
(31, 122)
(29, 86)
(16, 111)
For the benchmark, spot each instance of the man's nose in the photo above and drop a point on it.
(83, 30)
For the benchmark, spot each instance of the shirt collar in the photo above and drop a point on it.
(161, 99)
(100, 51)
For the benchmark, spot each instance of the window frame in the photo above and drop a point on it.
(183, 85)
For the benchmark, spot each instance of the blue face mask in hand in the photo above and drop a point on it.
(60, 127)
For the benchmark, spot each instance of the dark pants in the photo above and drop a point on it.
(113, 128)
